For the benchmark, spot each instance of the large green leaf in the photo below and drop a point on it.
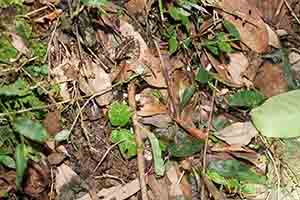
(237, 170)
(21, 163)
(30, 129)
(279, 116)
(245, 98)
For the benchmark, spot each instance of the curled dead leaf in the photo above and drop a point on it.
(146, 64)
(247, 19)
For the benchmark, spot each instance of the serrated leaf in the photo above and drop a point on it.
(62, 135)
(37, 70)
(30, 129)
(237, 170)
(7, 161)
(186, 146)
(21, 163)
(159, 167)
(203, 76)
(127, 143)
(186, 96)
(119, 114)
(279, 116)
(231, 29)
(173, 44)
(39, 49)
(246, 98)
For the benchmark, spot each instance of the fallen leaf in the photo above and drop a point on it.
(135, 6)
(238, 133)
(150, 105)
(56, 158)
(146, 63)
(238, 64)
(158, 187)
(159, 121)
(37, 180)
(272, 15)
(7, 182)
(279, 116)
(52, 122)
(247, 20)
(96, 80)
(119, 192)
(270, 79)
(273, 38)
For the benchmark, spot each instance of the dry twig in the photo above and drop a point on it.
(139, 141)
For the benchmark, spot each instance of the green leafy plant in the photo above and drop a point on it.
(119, 114)
(245, 98)
(222, 41)
(21, 163)
(126, 142)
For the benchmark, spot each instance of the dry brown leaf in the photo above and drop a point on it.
(159, 187)
(66, 71)
(238, 64)
(150, 105)
(52, 122)
(135, 6)
(96, 80)
(37, 180)
(238, 133)
(146, 63)
(175, 190)
(270, 80)
(247, 19)
(274, 12)
(273, 38)
(159, 121)
(64, 176)
(119, 192)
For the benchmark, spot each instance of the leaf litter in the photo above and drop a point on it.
(195, 99)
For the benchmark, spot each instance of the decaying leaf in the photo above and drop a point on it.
(96, 80)
(247, 19)
(238, 133)
(146, 63)
(150, 105)
(270, 79)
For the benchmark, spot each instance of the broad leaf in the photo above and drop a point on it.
(62, 135)
(173, 44)
(21, 163)
(231, 29)
(186, 146)
(279, 116)
(119, 114)
(245, 98)
(126, 142)
(186, 96)
(237, 170)
(7, 161)
(30, 129)
(18, 88)
(203, 76)
(159, 167)
(23, 28)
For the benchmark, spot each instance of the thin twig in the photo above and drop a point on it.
(105, 154)
(139, 141)
(292, 12)
(209, 127)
